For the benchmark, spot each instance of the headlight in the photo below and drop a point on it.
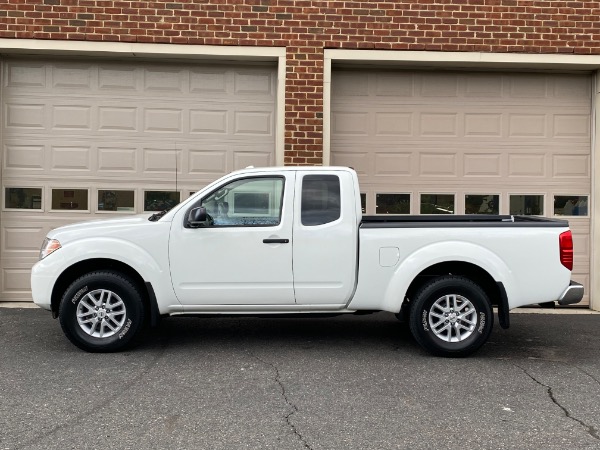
(49, 246)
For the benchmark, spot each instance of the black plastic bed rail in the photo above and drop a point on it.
(467, 220)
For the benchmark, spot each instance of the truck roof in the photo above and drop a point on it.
(252, 169)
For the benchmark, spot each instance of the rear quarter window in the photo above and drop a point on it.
(320, 199)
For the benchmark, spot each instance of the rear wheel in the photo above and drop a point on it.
(451, 316)
(102, 311)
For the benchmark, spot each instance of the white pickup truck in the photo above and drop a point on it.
(293, 240)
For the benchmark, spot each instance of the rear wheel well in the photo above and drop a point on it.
(91, 265)
(474, 273)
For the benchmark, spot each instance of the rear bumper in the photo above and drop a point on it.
(572, 294)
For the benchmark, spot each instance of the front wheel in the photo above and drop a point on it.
(451, 316)
(102, 311)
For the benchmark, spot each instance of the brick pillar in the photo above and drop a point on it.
(304, 106)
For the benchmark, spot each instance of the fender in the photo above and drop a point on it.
(415, 263)
(126, 252)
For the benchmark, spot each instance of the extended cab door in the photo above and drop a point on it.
(325, 237)
(245, 256)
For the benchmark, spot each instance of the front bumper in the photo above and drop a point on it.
(42, 283)
(572, 294)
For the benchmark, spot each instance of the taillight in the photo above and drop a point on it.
(565, 242)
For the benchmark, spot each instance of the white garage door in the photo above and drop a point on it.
(458, 142)
(83, 140)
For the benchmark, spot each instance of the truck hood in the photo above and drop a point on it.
(119, 227)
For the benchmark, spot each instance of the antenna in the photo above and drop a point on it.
(176, 167)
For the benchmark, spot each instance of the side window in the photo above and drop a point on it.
(320, 199)
(247, 202)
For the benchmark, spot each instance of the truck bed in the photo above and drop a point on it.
(460, 221)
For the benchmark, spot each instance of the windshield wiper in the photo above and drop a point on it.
(154, 217)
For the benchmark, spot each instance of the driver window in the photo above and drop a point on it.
(246, 202)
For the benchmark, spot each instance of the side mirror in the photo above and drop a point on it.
(198, 217)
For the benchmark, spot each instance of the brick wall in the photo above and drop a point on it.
(306, 27)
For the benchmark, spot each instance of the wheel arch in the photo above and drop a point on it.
(471, 260)
(461, 268)
(97, 264)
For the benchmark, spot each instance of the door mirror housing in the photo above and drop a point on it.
(198, 217)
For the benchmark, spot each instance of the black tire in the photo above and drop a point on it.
(102, 311)
(445, 330)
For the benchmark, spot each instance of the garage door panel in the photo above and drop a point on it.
(15, 284)
(27, 116)
(115, 78)
(209, 121)
(160, 160)
(527, 165)
(482, 124)
(87, 132)
(207, 82)
(117, 118)
(434, 164)
(571, 166)
(19, 240)
(253, 123)
(163, 120)
(482, 164)
(211, 161)
(569, 89)
(164, 80)
(397, 164)
(252, 83)
(358, 160)
(70, 158)
(571, 125)
(393, 124)
(117, 159)
(28, 75)
(23, 155)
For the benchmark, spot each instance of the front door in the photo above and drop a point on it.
(245, 256)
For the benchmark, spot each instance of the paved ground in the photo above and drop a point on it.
(339, 383)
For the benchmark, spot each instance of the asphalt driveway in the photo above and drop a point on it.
(352, 382)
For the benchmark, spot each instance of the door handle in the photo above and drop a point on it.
(276, 241)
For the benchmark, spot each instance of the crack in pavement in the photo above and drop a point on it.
(80, 417)
(287, 417)
(590, 429)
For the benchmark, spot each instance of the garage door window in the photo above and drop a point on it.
(121, 201)
(22, 198)
(160, 200)
(570, 205)
(437, 204)
(70, 199)
(527, 205)
(392, 204)
(482, 204)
